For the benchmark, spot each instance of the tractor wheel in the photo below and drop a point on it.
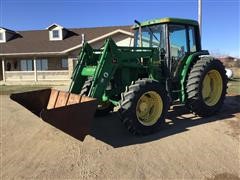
(206, 87)
(86, 87)
(144, 105)
(103, 108)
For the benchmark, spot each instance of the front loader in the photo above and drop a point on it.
(166, 65)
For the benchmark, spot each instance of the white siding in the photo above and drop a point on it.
(126, 42)
(60, 29)
(3, 32)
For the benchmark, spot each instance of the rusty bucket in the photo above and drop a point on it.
(68, 112)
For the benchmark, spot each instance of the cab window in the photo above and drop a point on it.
(192, 39)
(152, 36)
(178, 45)
(178, 41)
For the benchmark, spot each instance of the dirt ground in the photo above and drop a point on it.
(188, 147)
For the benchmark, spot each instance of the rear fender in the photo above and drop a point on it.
(185, 70)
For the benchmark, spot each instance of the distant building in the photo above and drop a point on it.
(50, 54)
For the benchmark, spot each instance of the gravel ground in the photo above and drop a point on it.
(187, 148)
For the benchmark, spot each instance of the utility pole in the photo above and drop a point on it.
(200, 15)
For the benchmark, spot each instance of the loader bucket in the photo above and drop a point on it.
(68, 112)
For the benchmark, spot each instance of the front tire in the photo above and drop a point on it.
(103, 108)
(144, 105)
(206, 87)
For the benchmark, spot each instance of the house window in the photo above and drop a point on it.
(64, 63)
(42, 64)
(26, 65)
(1, 36)
(55, 33)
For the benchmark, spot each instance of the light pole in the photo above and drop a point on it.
(200, 15)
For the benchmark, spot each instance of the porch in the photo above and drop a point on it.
(57, 75)
(53, 70)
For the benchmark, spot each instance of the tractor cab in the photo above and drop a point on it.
(175, 38)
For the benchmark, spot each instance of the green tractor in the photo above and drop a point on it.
(166, 65)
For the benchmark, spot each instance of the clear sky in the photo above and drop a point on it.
(221, 18)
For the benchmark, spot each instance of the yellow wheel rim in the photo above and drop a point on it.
(212, 87)
(149, 108)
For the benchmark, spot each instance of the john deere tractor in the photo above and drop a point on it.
(166, 65)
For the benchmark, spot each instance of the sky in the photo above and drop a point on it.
(220, 27)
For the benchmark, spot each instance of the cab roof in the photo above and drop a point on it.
(167, 20)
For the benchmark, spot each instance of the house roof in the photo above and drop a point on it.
(37, 41)
(8, 30)
(53, 26)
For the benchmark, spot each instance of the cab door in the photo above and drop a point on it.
(178, 46)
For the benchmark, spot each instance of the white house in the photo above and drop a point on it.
(50, 54)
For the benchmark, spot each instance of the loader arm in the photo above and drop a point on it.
(108, 63)
(102, 65)
(86, 56)
(101, 70)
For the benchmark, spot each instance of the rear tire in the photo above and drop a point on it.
(103, 108)
(144, 105)
(206, 87)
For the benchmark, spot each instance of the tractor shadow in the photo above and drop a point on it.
(111, 131)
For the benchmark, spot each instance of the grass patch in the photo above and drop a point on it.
(233, 88)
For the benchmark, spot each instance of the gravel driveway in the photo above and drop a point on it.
(187, 148)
